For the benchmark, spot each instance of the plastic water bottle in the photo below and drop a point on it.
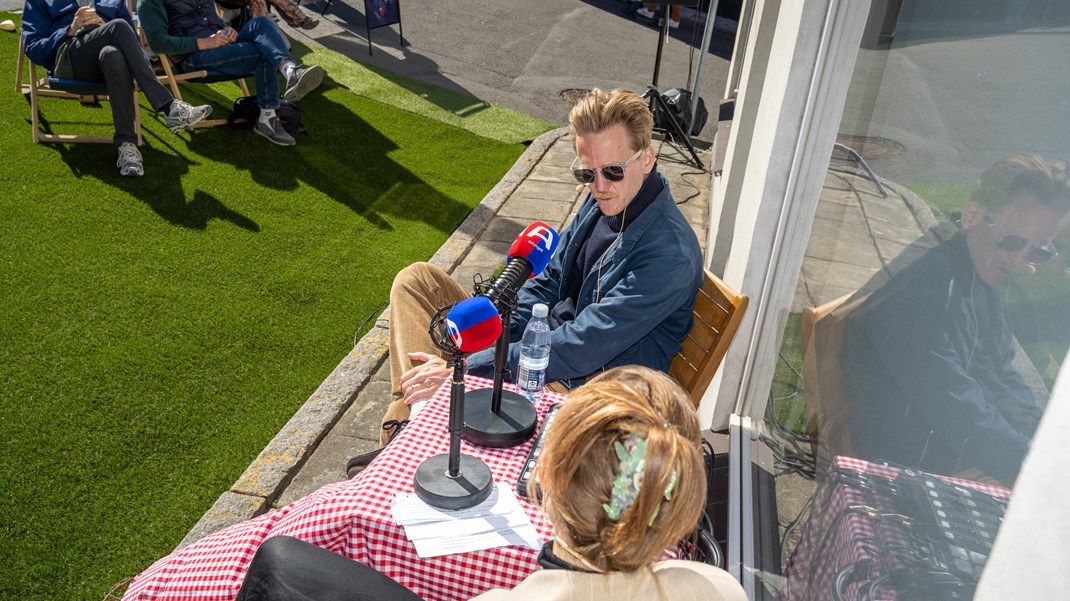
(534, 354)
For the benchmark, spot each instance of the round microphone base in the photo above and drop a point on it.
(511, 426)
(471, 487)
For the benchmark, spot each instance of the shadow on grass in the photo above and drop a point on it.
(161, 186)
(342, 156)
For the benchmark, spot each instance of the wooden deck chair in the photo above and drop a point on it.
(718, 311)
(77, 89)
(175, 80)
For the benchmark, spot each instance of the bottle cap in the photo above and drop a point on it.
(540, 310)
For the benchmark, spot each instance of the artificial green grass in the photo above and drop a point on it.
(156, 332)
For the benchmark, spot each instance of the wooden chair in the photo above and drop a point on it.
(826, 409)
(718, 311)
(50, 86)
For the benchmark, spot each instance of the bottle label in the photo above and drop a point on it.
(532, 374)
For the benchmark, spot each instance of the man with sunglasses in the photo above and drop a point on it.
(926, 360)
(621, 286)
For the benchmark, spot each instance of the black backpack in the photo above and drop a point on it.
(247, 111)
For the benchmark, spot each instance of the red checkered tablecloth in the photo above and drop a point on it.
(834, 537)
(353, 518)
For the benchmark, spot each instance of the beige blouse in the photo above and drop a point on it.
(673, 580)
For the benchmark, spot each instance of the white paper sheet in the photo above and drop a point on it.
(496, 522)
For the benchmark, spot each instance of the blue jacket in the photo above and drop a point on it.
(45, 22)
(649, 279)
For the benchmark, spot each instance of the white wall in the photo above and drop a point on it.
(1031, 559)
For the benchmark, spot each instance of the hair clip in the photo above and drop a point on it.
(632, 457)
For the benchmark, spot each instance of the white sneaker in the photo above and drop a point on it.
(644, 12)
(129, 162)
(672, 24)
(184, 115)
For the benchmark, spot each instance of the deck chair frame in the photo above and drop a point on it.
(53, 87)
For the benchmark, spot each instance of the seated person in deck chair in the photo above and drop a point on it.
(99, 44)
(195, 38)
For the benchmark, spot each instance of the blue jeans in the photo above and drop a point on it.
(259, 49)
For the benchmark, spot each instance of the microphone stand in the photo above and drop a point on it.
(452, 480)
(494, 417)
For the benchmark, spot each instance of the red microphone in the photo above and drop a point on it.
(528, 256)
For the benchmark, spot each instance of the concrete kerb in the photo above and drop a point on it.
(275, 466)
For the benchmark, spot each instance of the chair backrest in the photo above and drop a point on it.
(826, 410)
(718, 311)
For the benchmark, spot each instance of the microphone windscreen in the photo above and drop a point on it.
(473, 324)
(536, 244)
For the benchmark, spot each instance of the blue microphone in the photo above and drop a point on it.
(473, 324)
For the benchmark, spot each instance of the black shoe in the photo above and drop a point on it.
(357, 464)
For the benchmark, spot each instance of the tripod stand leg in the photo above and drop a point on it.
(658, 105)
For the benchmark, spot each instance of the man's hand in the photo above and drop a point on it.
(421, 382)
(85, 15)
(221, 38)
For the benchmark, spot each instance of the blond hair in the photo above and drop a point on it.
(598, 111)
(579, 465)
(1047, 181)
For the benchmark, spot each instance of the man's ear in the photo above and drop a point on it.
(648, 158)
(973, 214)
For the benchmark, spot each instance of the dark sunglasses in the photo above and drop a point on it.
(613, 172)
(1012, 244)
(1037, 254)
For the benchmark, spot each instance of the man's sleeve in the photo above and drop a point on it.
(41, 44)
(154, 23)
(651, 291)
(114, 9)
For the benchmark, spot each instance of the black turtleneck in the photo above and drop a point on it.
(602, 235)
(549, 561)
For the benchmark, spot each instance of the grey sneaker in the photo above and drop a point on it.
(302, 81)
(183, 115)
(274, 132)
(129, 162)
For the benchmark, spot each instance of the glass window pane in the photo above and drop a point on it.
(930, 316)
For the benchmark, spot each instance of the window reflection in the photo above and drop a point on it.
(930, 316)
(926, 373)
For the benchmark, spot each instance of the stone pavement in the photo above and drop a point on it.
(341, 419)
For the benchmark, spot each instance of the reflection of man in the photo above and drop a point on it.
(927, 357)
(621, 287)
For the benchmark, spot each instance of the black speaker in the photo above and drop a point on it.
(679, 102)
